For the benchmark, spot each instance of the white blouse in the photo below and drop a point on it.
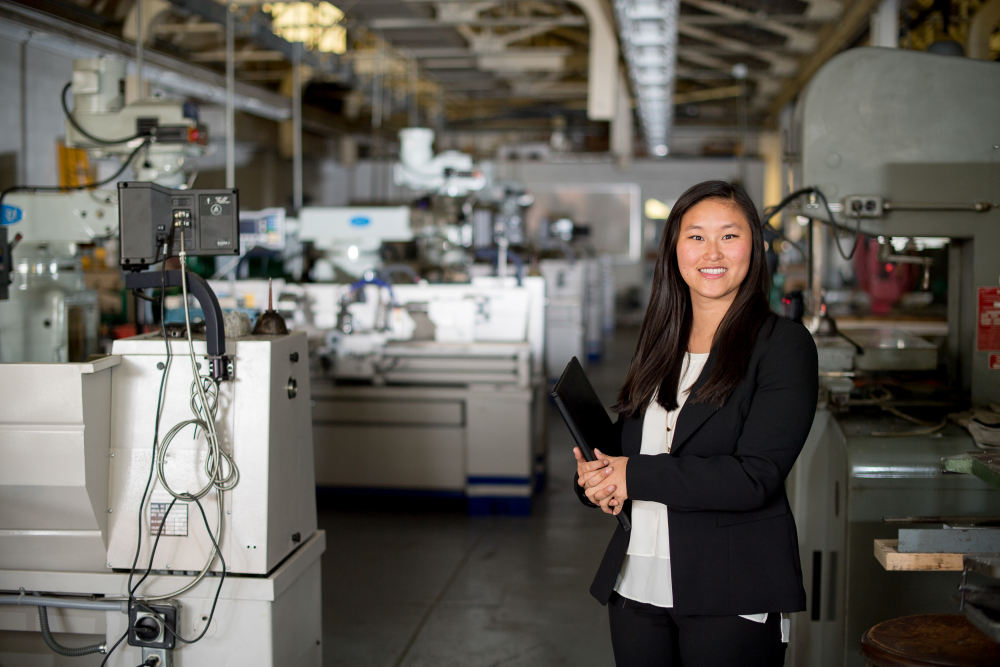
(645, 573)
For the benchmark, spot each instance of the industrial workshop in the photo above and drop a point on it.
(499, 333)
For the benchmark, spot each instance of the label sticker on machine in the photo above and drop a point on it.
(995, 362)
(988, 329)
(177, 521)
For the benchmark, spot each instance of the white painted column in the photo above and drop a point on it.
(884, 28)
(622, 125)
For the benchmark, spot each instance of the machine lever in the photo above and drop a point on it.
(215, 334)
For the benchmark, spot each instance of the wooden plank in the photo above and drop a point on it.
(893, 561)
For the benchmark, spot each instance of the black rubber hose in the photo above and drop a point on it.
(43, 620)
(96, 140)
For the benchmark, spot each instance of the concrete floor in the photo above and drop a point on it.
(410, 583)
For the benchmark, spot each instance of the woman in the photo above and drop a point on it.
(712, 560)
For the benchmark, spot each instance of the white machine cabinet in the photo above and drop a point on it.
(263, 419)
(75, 450)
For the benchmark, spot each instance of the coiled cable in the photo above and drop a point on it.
(223, 474)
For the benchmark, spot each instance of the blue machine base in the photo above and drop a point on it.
(475, 506)
(485, 506)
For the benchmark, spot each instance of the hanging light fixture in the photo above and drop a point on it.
(648, 31)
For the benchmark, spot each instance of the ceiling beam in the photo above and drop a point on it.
(512, 22)
(832, 40)
(799, 40)
(721, 93)
(168, 72)
(705, 60)
(256, 28)
(710, 19)
(421, 53)
(187, 28)
(719, 75)
(238, 56)
(760, 53)
(780, 65)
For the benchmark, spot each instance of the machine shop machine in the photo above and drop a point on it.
(904, 145)
(428, 389)
(51, 316)
(164, 491)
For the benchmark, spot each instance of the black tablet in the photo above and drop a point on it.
(584, 414)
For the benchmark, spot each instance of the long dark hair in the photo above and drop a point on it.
(666, 327)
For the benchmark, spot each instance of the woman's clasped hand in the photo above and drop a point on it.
(603, 479)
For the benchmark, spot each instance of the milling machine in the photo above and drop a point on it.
(51, 316)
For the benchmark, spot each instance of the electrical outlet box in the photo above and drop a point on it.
(864, 206)
(150, 630)
(147, 213)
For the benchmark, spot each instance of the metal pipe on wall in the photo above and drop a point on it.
(140, 49)
(816, 267)
(297, 127)
(22, 163)
(230, 99)
(414, 111)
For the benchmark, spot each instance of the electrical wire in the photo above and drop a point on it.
(216, 461)
(85, 186)
(215, 550)
(88, 135)
(833, 224)
(120, 640)
(156, 431)
(771, 211)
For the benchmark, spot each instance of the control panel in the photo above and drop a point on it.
(152, 221)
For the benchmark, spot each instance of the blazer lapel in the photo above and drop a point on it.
(692, 414)
(632, 436)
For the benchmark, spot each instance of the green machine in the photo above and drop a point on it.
(905, 146)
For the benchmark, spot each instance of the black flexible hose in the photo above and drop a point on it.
(96, 140)
(85, 186)
(43, 620)
(834, 226)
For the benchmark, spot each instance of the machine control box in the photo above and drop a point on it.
(150, 215)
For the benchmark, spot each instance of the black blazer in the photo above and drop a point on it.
(733, 544)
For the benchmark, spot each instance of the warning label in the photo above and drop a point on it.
(177, 521)
(988, 329)
(995, 362)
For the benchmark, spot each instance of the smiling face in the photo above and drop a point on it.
(714, 249)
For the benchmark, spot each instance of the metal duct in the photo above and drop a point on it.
(648, 31)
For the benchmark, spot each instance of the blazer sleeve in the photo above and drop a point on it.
(613, 448)
(780, 416)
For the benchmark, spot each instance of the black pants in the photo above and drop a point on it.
(644, 635)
